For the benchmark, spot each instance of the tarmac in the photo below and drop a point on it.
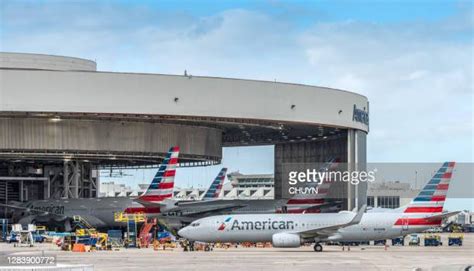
(271, 259)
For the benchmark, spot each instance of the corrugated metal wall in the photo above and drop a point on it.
(107, 136)
(307, 155)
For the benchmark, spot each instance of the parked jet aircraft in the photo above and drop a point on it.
(157, 201)
(292, 230)
(283, 230)
(177, 214)
(99, 212)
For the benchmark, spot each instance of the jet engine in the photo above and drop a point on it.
(286, 240)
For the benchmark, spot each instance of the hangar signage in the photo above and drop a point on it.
(360, 115)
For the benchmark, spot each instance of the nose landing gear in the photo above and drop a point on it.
(318, 247)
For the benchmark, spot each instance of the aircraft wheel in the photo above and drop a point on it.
(318, 247)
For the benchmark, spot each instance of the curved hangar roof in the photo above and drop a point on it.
(53, 106)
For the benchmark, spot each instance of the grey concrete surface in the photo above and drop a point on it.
(332, 258)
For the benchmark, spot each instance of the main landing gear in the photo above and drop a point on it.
(318, 247)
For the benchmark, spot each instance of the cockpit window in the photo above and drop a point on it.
(194, 224)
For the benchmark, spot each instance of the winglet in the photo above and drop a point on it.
(358, 217)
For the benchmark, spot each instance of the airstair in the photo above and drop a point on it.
(144, 236)
(82, 227)
(131, 220)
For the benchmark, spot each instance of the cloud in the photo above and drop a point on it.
(417, 75)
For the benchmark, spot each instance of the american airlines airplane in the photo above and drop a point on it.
(99, 212)
(176, 214)
(156, 202)
(292, 230)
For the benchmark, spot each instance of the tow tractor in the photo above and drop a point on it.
(399, 241)
(433, 240)
(195, 246)
(455, 239)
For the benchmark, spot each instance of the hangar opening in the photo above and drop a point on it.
(68, 120)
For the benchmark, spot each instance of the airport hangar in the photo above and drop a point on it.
(61, 121)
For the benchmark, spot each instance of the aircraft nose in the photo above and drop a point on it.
(183, 232)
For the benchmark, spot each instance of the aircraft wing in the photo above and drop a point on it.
(149, 203)
(30, 210)
(11, 206)
(18, 207)
(212, 210)
(322, 205)
(328, 231)
(190, 203)
(167, 203)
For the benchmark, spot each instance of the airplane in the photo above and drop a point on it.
(215, 189)
(156, 202)
(292, 230)
(99, 212)
(176, 214)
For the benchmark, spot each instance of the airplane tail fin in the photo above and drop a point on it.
(431, 198)
(426, 208)
(161, 187)
(216, 186)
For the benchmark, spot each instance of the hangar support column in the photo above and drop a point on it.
(79, 180)
(356, 161)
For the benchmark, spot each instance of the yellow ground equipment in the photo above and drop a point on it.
(41, 229)
(456, 228)
(224, 245)
(86, 232)
(163, 245)
(131, 220)
(83, 228)
(102, 243)
(195, 246)
(199, 246)
(433, 240)
(124, 217)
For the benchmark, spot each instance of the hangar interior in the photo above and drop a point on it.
(53, 150)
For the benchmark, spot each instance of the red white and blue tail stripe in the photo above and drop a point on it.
(430, 200)
(216, 186)
(162, 185)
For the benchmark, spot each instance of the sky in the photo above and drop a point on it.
(412, 59)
